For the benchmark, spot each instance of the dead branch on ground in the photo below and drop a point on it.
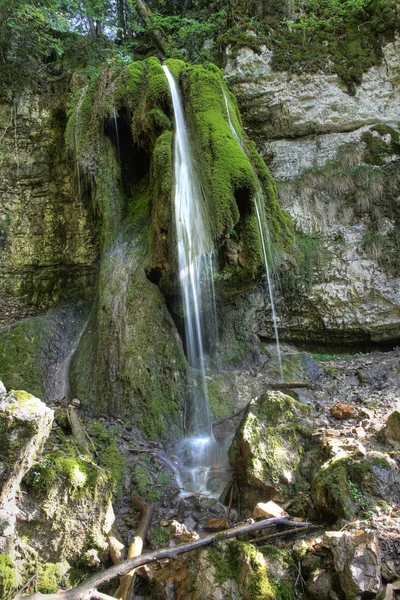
(88, 589)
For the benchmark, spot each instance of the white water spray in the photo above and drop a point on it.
(265, 240)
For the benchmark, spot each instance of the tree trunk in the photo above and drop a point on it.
(145, 14)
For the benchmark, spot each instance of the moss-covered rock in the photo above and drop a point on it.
(347, 485)
(25, 423)
(268, 447)
(121, 367)
(50, 576)
(8, 579)
(63, 491)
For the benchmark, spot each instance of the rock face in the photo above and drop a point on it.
(48, 245)
(357, 562)
(130, 361)
(25, 423)
(268, 447)
(345, 205)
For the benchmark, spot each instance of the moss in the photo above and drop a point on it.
(331, 488)
(82, 476)
(220, 400)
(50, 576)
(227, 168)
(8, 580)
(20, 355)
(245, 564)
(143, 486)
(343, 38)
(159, 537)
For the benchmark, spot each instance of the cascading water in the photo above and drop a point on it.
(259, 206)
(196, 454)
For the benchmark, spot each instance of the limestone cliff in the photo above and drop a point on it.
(335, 157)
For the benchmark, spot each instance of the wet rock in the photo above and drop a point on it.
(25, 424)
(342, 411)
(267, 510)
(357, 561)
(268, 447)
(392, 429)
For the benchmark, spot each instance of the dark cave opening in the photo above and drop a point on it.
(134, 160)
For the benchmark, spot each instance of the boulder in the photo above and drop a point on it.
(392, 429)
(357, 561)
(25, 423)
(348, 482)
(268, 446)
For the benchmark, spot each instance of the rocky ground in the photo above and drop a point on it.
(327, 453)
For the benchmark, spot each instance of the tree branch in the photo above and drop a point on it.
(88, 589)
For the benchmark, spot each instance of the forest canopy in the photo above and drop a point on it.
(41, 40)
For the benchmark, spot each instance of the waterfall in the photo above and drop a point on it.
(259, 205)
(196, 455)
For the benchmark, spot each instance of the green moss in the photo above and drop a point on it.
(159, 537)
(81, 476)
(8, 580)
(338, 37)
(227, 168)
(143, 487)
(50, 577)
(245, 564)
(331, 488)
(20, 355)
(220, 401)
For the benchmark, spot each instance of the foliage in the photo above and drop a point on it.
(8, 578)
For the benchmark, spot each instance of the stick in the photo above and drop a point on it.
(87, 589)
(78, 430)
(287, 385)
(280, 534)
(136, 546)
(236, 414)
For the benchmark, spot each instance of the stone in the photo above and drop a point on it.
(268, 446)
(217, 524)
(388, 593)
(267, 510)
(320, 584)
(75, 402)
(392, 429)
(181, 533)
(357, 561)
(342, 411)
(25, 424)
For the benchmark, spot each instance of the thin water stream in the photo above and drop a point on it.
(265, 240)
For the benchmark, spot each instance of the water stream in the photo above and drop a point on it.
(259, 205)
(200, 452)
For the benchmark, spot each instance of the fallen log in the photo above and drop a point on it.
(136, 545)
(88, 589)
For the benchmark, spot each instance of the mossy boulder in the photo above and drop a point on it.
(234, 570)
(268, 447)
(66, 509)
(25, 423)
(347, 486)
